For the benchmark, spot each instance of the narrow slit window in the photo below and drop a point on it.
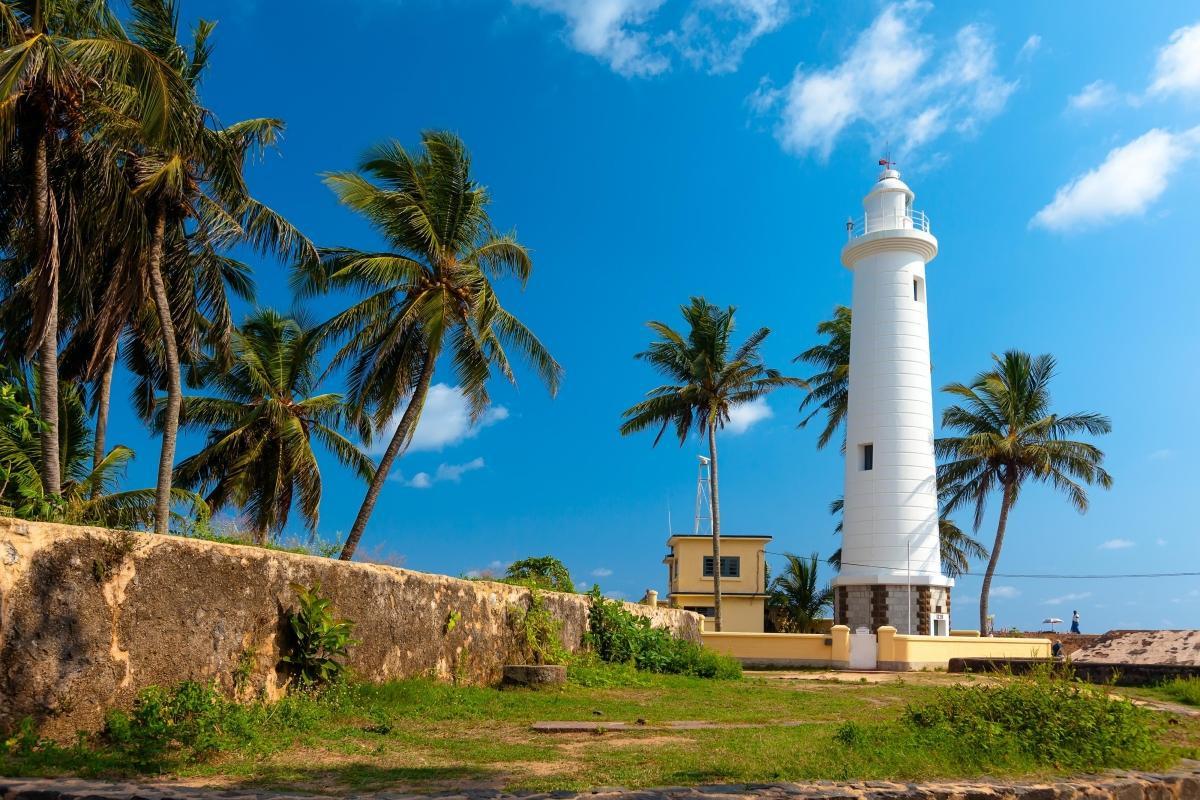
(868, 456)
(918, 290)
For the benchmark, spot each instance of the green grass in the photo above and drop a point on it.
(1176, 690)
(1183, 690)
(426, 736)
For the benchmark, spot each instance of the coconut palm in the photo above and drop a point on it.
(89, 492)
(60, 60)
(194, 177)
(829, 388)
(795, 598)
(262, 425)
(428, 294)
(956, 547)
(710, 378)
(1010, 436)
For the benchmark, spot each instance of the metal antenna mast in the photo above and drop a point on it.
(703, 504)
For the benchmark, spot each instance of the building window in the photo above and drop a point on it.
(918, 290)
(867, 453)
(731, 566)
(707, 611)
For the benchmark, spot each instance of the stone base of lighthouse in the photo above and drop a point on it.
(922, 610)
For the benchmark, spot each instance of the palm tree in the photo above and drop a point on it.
(830, 388)
(710, 378)
(60, 60)
(89, 493)
(956, 547)
(795, 595)
(430, 293)
(1010, 436)
(194, 176)
(262, 426)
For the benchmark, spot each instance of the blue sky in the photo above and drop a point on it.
(648, 150)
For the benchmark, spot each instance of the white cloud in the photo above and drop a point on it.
(1007, 592)
(745, 416)
(893, 83)
(454, 472)
(444, 472)
(1116, 544)
(601, 572)
(490, 571)
(1161, 454)
(610, 30)
(1028, 50)
(1066, 598)
(1094, 96)
(445, 421)
(1131, 178)
(1177, 70)
(715, 34)
(1161, 542)
(629, 36)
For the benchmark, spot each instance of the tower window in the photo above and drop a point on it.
(867, 451)
(731, 566)
(918, 290)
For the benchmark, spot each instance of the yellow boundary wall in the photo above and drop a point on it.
(896, 652)
(783, 649)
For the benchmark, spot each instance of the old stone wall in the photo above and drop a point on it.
(873, 605)
(89, 616)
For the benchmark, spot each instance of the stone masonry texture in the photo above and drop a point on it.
(88, 617)
(873, 605)
(1181, 785)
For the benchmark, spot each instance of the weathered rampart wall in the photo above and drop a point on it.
(90, 616)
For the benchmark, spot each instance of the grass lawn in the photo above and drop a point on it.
(426, 736)
(1182, 691)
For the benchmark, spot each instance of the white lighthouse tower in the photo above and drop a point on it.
(891, 570)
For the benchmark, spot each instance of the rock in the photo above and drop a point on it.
(534, 676)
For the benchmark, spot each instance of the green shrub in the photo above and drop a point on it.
(318, 642)
(538, 632)
(544, 572)
(1185, 690)
(192, 720)
(1046, 719)
(618, 636)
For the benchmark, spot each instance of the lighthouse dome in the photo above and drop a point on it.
(889, 181)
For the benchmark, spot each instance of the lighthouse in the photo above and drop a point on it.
(891, 568)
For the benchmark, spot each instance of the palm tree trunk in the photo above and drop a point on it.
(399, 440)
(166, 459)
(45, 229)
(714, 497)
(103, 396)
(1005, 505)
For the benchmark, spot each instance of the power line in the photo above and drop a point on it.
(1033, 575)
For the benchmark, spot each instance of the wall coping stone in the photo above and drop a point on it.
(1182, 784)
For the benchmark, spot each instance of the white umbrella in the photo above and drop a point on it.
(1052, 621)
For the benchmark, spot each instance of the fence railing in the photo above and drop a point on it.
(913, 220)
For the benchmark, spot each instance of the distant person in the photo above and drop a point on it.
(1056, 649)
(1074, 622)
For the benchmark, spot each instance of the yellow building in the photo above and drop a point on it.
(743, 579)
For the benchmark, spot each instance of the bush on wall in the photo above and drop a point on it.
(617, 635)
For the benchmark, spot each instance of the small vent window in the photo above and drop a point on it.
(919, 290)
(731, 566)
(867, 456)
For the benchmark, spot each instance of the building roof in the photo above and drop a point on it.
(675, 536)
